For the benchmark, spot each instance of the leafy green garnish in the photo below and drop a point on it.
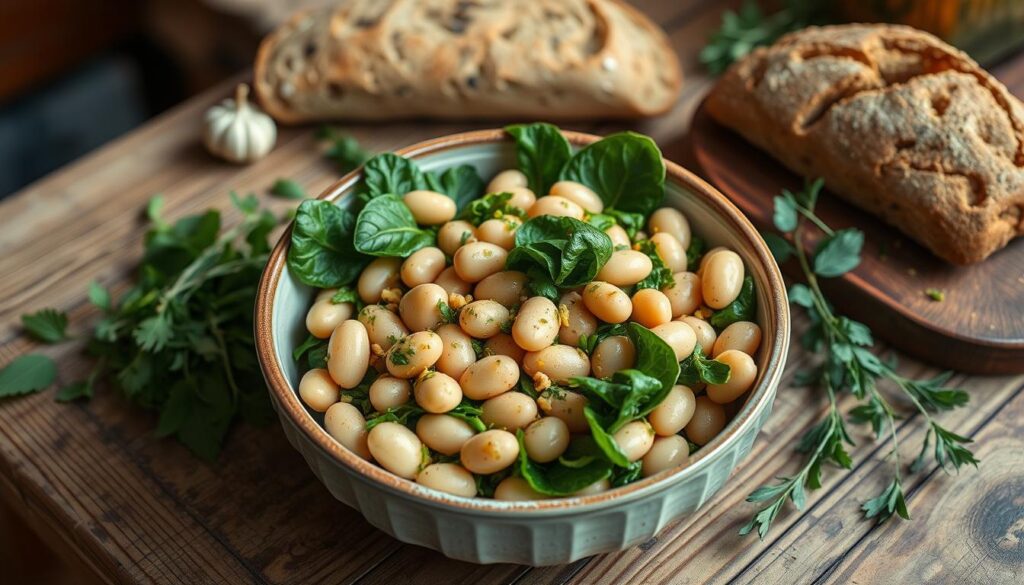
(347, 294)
(694, 252)
(588, 466)
(744, 308)
(462, 183)
(588, 343)
(629, 394)
(386, 227)
(625, 169)
(490, 206)
(322, 253)
(699, 368)
(849, 366)
(46, 325)
(660, 276)
(604, 440)
(343, 149)
(389, 173)
(655, 358)
(405, 414)
(567, 251)
(27, 374)
(748, 28)
(288, 189)
(541, 151)
(470, 412)
(448, 314)
(307, 345)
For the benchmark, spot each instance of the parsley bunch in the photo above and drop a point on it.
(849, 367)
(180, 342)
(748, 28)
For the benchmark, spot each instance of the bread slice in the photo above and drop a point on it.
(897, 122)
(388, 59)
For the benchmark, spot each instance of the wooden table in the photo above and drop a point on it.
(96, 484)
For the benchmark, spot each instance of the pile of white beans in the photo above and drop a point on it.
(402, 338)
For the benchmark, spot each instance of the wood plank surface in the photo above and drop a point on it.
(93, 480)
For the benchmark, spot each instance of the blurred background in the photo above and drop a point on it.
(76, 73)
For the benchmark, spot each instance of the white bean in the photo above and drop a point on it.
(580, 320)
(437, 393)
(318, 390)
(579, 194)
(685, 295)
(500, 232)
(396, 448)
(679, 336)
(478, 260)
(378, 275)
(420, 308)
(742, 336)
(670, 221)
(454, 235)
(536, 325)
(607, 302)
(670, 250)
(430, 207)
(506, 180)
(348, 354)
(324, 316)
(546, 439)
(483, 319)
(489, 377)
(449, 478)
(626, 268)
(346, 424)
(674, 412)
(506, 287)
(612, 354)
(555, 206)
(666, 453)
(634, 439)
(516, 489)
(443, 433)
(457, 354)
(389, 392)
(558, 362)
(742, 372)
(722, 279)
(382, 326)
(413, 354)
(509, 411)
(566, 405)
(489, 452)
(424, 265)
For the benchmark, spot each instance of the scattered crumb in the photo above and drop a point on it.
(377, 349)
(457, 301)
(541, 381)
(391, 295)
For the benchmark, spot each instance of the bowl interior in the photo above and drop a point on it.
(291, 299)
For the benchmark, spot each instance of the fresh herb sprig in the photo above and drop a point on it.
(849, 366)
(748, 28)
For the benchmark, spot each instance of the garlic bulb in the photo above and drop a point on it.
(238, 131)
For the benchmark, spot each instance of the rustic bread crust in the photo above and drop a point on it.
(897, 122)
(377, 59)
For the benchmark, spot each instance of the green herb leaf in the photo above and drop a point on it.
(630, 394)
(744, 308)
(389, 173)
(660, 276)
(343, 149)
(570, 252)
(386, 227)
(99, 297)
(889, 502)
(27, 374)
(697, 368)
(839, 253)
(448, 314)
(625, 169)
(322, 253)
(490, 206)
(307, 345)
(603, 438)
(559, 479)
(462, 183)
(47, 325)
(288, 189)
(780, 248)
(74, 391)
(541, 151)
(346, 294)
(785, 217)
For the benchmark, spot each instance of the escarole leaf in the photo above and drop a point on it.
(390, 173)
(626, 170)
(568, 251)
(322, 254)
(386, 227)
(582, 465)
(744, 308)
(541, 152)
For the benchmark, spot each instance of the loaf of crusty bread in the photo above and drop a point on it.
(388, 59)
(897, 122)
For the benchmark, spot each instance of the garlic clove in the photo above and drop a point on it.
(237, 130)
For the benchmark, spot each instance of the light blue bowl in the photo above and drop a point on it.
(541, 532)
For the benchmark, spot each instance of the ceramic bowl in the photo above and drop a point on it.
(541, 532)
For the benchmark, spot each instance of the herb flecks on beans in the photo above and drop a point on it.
(524, 340)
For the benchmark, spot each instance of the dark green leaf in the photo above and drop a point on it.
(448, 314)
(604, 439)
(541, 152)
(780, 248)
(626, 170)
(660, 276)
(694, 252)
(389, 173)
(346, 294)
(654, 357)
(462, 183)
(288, 189)
(344, 150)
(558, 479)
(99, 296)
(630, 221)
(322, 254)
(74, 391)
(386, 227)
(47, 325)
(27, 374)
(305, 346)
(490, 206)
(698, 368)
(889, 502)
(570, 252)
(744, 308)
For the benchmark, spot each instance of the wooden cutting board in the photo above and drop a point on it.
(978, 327)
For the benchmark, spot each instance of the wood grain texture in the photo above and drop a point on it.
(135, 509)
(982, 333)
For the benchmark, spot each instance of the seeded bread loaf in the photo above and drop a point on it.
(377, 59)
(897, 122)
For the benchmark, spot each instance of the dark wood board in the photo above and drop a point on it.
(977, 328)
